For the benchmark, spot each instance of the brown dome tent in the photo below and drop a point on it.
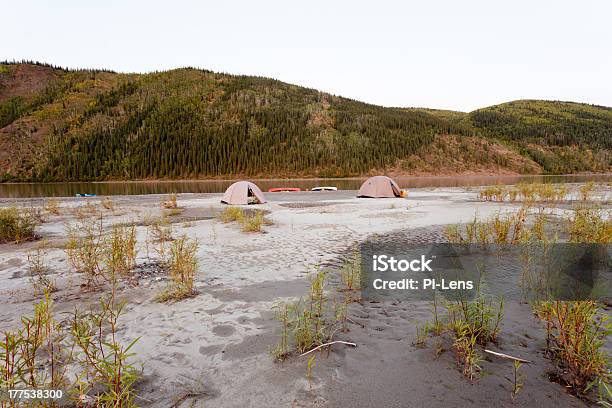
(379, 187)
(241, 191)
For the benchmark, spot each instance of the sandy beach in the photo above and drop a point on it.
(213, 350)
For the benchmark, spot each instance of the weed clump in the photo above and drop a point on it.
(159, 229)
(39, 271)
(17, 225)
(586, 190)
(52, 206)
(350, 273)
(182, 266)
(249, 222)
(231, 214)
(108, 204)
(500, 229)
(170, 202)
(253, 223)
(85, 249)
(305, 323)
(576, 333)
(41, 353)
(120, 256)
(531, 192)
(589, 225)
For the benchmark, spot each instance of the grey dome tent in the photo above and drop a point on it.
(240, 192)
(379, 187)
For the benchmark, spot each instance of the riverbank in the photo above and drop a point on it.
(118, 188)
(213, 350)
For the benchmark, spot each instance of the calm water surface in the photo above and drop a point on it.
(21, 190)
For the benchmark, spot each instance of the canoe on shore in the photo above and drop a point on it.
(324, 188)
(283, 189)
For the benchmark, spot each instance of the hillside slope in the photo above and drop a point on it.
(554, 134)
(58, 124)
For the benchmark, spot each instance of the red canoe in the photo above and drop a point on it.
(283, 189)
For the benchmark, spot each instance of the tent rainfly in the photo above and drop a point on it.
(379, 187)
(243, 192)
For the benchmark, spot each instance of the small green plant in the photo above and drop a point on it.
(310, 366)
(282, 315)
(41, 353)
(517, 380)
(350, 273)
(182, 265)
(306, 323)
(482, 314)
(108, 372)
(452, 234)
(17, 225)
(420, 339)
(470, 323)
(34, 356)
(466, 337)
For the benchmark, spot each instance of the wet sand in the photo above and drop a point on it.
(212, 350)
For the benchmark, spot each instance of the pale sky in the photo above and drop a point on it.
(447, 54)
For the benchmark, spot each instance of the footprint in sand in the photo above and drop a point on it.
(224, 330)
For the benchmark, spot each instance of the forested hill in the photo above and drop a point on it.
(58, 124)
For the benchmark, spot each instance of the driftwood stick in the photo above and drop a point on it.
(354, 322)
(329, 344)
(502, 355)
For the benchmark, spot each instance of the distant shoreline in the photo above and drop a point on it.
(304, 178)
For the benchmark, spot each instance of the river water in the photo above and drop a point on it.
(24, 190)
